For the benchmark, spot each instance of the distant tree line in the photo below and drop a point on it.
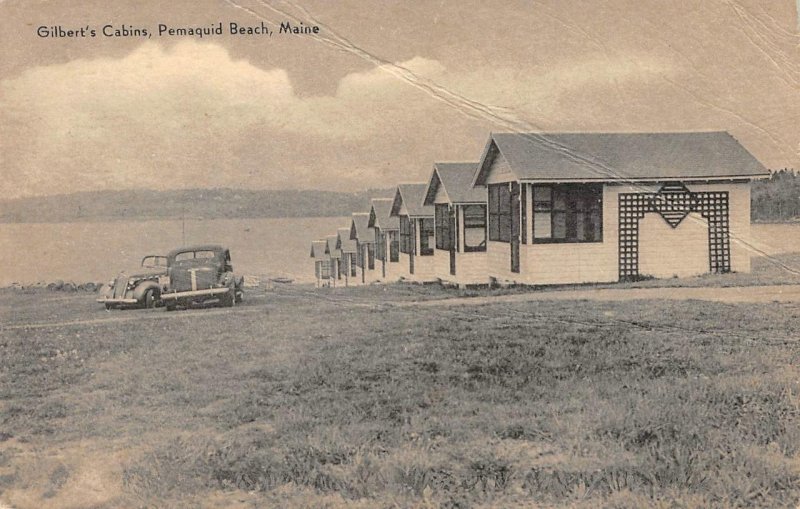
(776, 198)
(189, 203)
(773, 199)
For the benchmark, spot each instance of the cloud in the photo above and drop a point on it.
(192, 116)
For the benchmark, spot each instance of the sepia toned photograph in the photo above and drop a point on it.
(384, 254)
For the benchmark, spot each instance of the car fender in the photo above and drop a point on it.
(227, 279)
(141, 288)
(106, 291)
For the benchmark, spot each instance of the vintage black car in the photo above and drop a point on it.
(137, 288)
(201, 275)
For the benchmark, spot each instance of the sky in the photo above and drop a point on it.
(381, 92)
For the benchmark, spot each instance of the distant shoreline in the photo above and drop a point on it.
(144, 219)
(196, 204)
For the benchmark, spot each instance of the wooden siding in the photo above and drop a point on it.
(394, 270)
(665, 252)
(441, 195)
(470, 268)
(370, 275)
(403, 268)
(598, 262)
(499, 170)
(425, 268)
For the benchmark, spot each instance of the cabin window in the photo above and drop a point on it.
(474, 228)
(394, 246)
(371, 256)
(444, 234)
(406, 240)
(352, 265)
(499, 213)
(568, 213)
(427, 234)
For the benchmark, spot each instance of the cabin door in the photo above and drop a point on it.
(515, 226)
(452, 240)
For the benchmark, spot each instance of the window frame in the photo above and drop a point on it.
(481, 247)
(575, 198)
(444, 237)
(499, 215)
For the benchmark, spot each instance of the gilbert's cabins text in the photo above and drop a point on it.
(163, 30)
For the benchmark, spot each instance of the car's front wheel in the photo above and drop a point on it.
(228, 299)
(149, 299)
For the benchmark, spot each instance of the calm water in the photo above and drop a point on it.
(94, 251)
(83, 252)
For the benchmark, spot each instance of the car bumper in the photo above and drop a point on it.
(116, 301)
(194, 293)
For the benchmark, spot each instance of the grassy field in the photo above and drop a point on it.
(309, 398)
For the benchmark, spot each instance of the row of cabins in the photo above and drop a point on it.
(561, 208)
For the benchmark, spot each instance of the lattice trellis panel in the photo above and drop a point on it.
(674, 203)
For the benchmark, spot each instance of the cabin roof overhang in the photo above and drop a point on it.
(318, 249)
(397, 204)
(360, 230)
(452, 183)
(490, 152)
(434, 183)
(380, 215)
(654, 180)
(331, 248)
(410, 197)
(619, 157)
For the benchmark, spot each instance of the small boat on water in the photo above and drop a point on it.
(282, 280)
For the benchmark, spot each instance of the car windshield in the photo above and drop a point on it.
(154, 262)
(191, 255)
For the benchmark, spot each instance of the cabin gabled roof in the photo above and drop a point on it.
(343, 241)
(318, 250)
(360, 230)
(330, 248)
(608, 157)
(456, 181)
(412, 197)
(381, 215)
